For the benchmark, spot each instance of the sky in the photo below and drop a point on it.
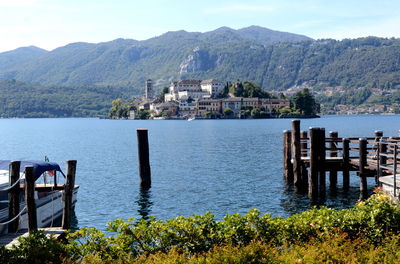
(49, 24)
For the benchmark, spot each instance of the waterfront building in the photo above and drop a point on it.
(187, 107)
(234, 103)
(212, 106)
(212, 87)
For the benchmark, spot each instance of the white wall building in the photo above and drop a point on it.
(213, 87)
(195, 89)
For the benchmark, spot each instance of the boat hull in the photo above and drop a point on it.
(49, 210)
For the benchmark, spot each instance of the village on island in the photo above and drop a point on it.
(207, 99)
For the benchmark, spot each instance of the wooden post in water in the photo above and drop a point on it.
(333, 153)
(55, 178)
(378, 134)
(13, 201)
(304, 153)
(68, 193)
(303, 143)
(346, 163)
(362, 166)
(144, 160)
(321, 162)
(313, 171)
(30, 198)
(296, 150)
(287, 156)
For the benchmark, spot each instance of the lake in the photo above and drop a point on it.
(222, 166)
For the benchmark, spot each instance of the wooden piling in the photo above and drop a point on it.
(378, 134)
(287, 156)
(303, 143)
(296, 150)
(68, 193)
(382, 150)
(333, 153)
(13, 201)
(362, 167)
(346, 163)
(55, 179)
(30, 198)
(321, 162)
(313, 171)
(144, 160)
(304, 153)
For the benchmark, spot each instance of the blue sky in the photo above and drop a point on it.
(53, 23)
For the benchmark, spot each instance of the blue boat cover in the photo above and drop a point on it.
(39, 167)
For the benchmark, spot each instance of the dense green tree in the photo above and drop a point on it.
(228, 111)
(225, 91)
(143, 114)
(256, 113)
(118, 109)
(304, 101)
(164, 91)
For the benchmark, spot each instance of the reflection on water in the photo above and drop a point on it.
(74, 221)
(144, 202)
(296, 200)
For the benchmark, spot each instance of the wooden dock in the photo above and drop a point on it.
(11, 239)
(308, 156)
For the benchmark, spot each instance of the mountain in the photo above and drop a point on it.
(124, 61)
(274, 60)
(265, 35)
(19, 56)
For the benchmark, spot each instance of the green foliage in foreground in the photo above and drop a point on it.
(367, 232)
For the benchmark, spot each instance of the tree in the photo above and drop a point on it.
(256, 113)
(304, 102)
(164, 91)
(225, 91)
(118, 109)
(143, 114)
(228, 111)
(285, 111)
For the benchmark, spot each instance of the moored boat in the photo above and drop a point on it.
(48, 193)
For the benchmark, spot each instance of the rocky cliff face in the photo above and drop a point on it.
(197, 60)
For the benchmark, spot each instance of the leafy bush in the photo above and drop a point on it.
(320, 234)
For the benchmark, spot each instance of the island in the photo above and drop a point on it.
(212, 99)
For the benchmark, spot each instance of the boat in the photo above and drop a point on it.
(48, 194)
(191, 118)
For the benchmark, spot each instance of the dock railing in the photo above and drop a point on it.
(308, 156)
(387, 160)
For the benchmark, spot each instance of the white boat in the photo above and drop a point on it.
(48, 197)
(191, 118)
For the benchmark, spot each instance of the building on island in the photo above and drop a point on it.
(213, 87)
(148, 91)
(233, 103)
(201, 98)
(209, 107)
(195, 89)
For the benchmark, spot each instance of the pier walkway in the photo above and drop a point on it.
(11, 239)
(308, 156)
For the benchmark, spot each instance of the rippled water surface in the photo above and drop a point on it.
(222, 166)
